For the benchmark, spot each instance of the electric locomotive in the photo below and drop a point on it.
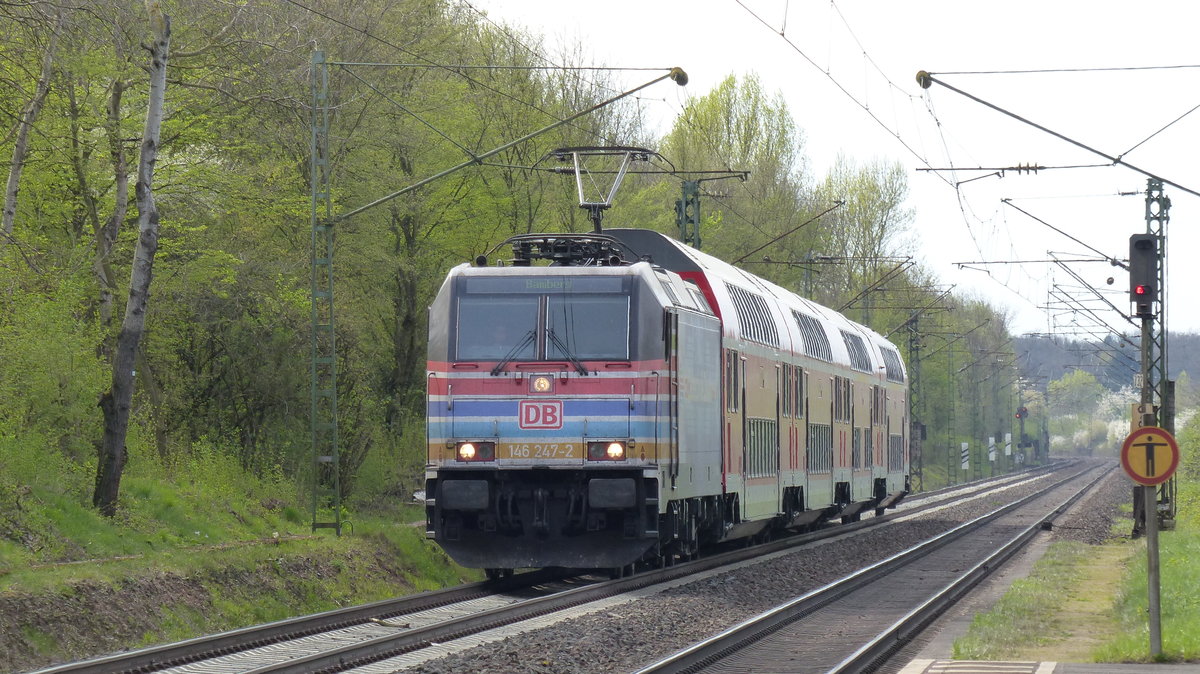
(617, 397)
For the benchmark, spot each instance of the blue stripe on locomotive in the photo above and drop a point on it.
(501, 408)
(509, 432)
(603, 418)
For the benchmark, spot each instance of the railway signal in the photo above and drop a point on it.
(1143, 273)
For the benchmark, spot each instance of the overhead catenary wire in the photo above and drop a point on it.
(918, 313)
(836, 205)
(546, 59)
(1074, 304)
(706, 137)
(1094, 291)
(412, 114)
(453, 69)
(866, 108)
(1169, 125)
(925, 79)
(1066, 70)
(1115, 262)
(539, 55)
(675, 74)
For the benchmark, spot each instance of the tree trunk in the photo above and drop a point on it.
(21, 147)
(406, 357)
(106, 236)
(91, 210)
(116, 402)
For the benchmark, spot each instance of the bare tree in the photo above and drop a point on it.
(116, 402)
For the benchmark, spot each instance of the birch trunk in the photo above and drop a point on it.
(25, 123)
(117, 401)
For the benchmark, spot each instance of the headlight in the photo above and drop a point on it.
(476, 451)
(609, 450)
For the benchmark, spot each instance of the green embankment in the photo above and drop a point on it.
(197, 547)
(1179, 563)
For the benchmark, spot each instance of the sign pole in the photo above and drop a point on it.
(1150, 499)
(1150, 494)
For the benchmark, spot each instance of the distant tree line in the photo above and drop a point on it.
(1113, 360)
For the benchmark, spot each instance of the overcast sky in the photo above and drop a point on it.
(848, 72)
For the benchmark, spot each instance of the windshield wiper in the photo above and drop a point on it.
(567, 352)
(512, 354)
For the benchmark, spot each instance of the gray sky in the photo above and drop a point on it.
(847, 70)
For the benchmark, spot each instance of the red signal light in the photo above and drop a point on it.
(1139, 290)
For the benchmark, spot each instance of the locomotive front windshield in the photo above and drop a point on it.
(542, 318)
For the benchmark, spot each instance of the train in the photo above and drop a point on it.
(614, 398)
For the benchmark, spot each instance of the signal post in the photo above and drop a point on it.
(1150, 454)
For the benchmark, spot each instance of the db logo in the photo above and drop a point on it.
(540, 414)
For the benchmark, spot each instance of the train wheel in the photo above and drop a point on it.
(497, 574)
(620, 571)
(691, 546)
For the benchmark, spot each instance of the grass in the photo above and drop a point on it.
(1043, 609)
(46, 515)
(198, 546)
(1179, 551)
(190, 591)
(43, 643)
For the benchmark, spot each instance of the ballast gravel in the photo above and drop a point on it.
(1092, 520)
(629, 636)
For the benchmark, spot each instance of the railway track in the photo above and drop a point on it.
(392, 634)
(855, 623)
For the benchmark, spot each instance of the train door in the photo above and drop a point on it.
(854, 440)
(878, 432)
(819, 448)
(791, 443)
(803, 434)
(732, 433)
(696, 346)
(897, 445)
(843, 404)
(861, 457)
(761, 440)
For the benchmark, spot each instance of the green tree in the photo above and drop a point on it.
(1075, 394)
(738, 126)
(867, 232)
(1187, 396)
(116, 402)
